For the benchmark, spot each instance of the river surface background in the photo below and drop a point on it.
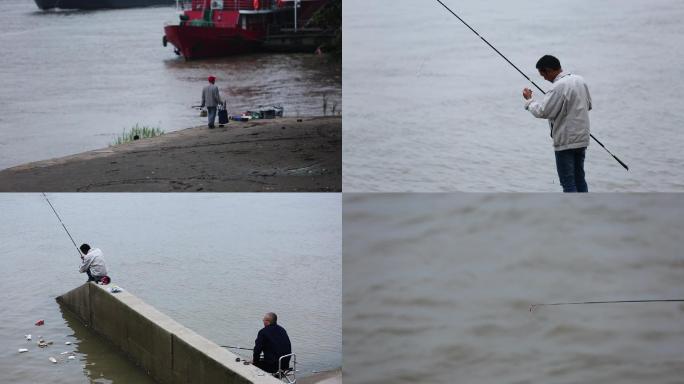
(213, 262)
(74, 80)
(437, 288)
(430, 107)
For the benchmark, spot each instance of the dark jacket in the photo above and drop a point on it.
(274, 342)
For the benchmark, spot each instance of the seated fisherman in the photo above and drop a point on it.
(93, 264)
(273, 341)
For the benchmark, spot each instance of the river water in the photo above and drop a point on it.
(437, 288)
(430, 107)
(74, 80)
(215, 263)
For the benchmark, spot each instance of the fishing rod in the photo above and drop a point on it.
(63, 226)
(534, 306)
(525, 76)
(232, 347)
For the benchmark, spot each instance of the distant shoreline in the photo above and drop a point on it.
(280, 155)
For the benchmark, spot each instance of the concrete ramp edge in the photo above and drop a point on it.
(165, 349)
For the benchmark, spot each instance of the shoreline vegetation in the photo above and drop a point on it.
(137, 132)
(335, 109)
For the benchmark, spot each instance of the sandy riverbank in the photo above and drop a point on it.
(262, 155)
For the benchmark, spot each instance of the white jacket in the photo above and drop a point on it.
(94, 261)
(567, 107)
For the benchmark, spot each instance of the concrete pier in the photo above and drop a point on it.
(166, 350)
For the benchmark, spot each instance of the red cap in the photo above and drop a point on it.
(211, 79)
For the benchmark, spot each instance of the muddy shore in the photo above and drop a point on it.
(280, 155)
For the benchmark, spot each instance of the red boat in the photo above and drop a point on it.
(214, 28)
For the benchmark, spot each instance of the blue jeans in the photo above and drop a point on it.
(211, 113)
(570, 167)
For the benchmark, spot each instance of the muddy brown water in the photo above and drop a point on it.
(437, 288)
(72, 81)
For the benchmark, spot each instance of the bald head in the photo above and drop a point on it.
(270, 318)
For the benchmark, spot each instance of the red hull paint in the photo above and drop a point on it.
(195, 42)
(229, 30)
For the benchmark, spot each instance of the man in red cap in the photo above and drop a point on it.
(211, 99)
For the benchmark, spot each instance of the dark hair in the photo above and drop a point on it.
(85, 248)
(548, 62)
(274, 317)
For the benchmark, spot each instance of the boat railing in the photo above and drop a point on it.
(184, 5)
(226, 5)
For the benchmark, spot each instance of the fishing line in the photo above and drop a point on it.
(524, 75)
(534, 306)
(232, 347)
(63, 226)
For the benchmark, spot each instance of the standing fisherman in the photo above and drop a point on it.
(567, 107)
(211, 99)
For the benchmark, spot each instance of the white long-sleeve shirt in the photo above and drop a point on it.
(567, 107)
(94, 261)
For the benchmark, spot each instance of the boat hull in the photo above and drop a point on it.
(196, 42)
(99, 4)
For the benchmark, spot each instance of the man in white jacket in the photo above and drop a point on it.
(567, 107)
(93, 264)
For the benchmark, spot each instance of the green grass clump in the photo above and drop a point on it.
(143, 132)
